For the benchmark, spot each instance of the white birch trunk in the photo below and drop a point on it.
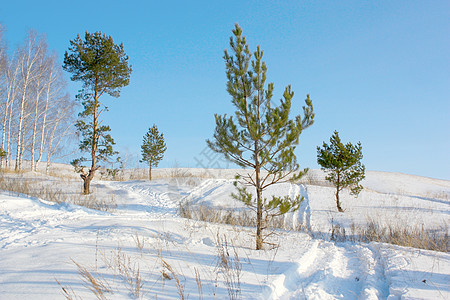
(35, 123)
(10, 77)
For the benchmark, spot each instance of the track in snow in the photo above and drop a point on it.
(328, 271)
(149, 198)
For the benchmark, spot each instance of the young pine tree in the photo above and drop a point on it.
(261, 137)
(153, 148)
(102, 67)
(342, 164)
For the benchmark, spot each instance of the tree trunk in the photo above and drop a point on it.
(27, 61)
(259, 200)
(150, 172)
(87, 178)
(4, 128)
(44, 120)
(259, 239)
(35, 124)
(9, 143)
(19, 132)
(8, 111)
(338, 205)
(338, 187)
(49, 151)
(94, 144)
(51, 79)
(86, 186)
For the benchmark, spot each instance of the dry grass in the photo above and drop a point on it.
(128, 269)
(123, 266)
(52, 192)
(232, 217)
(198, 280)
(166, 273)
(94, 282)
(229, 266)
(405, 235)
(218, 216)
(67, 291)
(401, 235)
(93, 202)
(139, 241)
(315, 178)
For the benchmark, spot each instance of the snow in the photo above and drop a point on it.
(41, 240)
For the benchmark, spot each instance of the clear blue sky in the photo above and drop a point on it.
(377, 71)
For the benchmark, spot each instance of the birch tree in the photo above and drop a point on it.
(3, 89)
(60, 131)
(31, 85)
(29, 55)
(9, 105)
(57, 109)
(42, 69)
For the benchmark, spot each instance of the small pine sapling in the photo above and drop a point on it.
(260, 136)
(343, 166)
(153, 148)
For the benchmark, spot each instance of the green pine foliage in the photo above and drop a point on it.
(102, 67)
(153, 148)
(261, 135)
(342, 162)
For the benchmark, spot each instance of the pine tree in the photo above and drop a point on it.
(153, 148)
(261, 136)
(342, 164)
(102, 67)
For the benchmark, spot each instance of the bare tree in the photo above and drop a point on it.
(56, 103)
(29, 55)
(42, 68)
(61, 129)
(4, 89)
(36, 115)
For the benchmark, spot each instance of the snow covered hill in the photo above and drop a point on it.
(142, 248)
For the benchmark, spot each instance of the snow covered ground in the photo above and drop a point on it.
(144, 238)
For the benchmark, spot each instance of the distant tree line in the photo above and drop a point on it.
(36, 113)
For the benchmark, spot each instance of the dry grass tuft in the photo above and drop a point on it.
(95, 283)
(139, 241)
(229, 266)
(198, 280)
(167, 271)
(128, 269)
(67, 291)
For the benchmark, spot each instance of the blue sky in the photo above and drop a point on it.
(377, 71)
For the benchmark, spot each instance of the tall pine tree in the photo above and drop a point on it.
(102, 67)
(342, 164)
(261, 136)
(153, 148)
